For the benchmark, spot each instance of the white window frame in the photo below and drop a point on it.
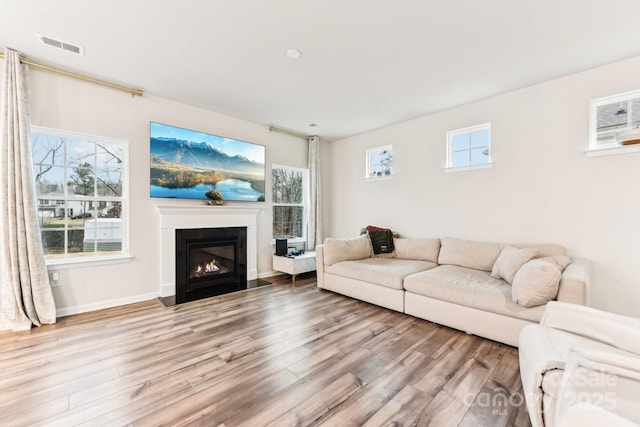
(305, 202)
(371, 163)
(449, 167)
(594, 148)
(98, 259)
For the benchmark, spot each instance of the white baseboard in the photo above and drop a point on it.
(67, 311)
(167, 290)
(265, 274)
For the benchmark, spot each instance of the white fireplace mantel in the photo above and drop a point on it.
(174, 217)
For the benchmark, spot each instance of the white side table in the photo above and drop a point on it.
(295, 265)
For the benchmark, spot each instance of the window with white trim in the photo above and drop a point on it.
(289, 195)
(469, 147)
(614, 123)
(81, 186)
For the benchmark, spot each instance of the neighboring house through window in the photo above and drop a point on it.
(81, 188)
(614, 124)
(289, 191)
(469, 147)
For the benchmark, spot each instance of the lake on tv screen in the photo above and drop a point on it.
(231, 190)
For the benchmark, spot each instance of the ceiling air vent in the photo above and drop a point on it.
(60, 44)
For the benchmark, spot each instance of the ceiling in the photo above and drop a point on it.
(365, 63)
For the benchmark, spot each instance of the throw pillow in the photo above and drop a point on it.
(374, 228)
(336, 250)
(536, 283)
(509, 262)
(381, 240)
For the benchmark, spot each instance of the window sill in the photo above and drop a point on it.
(289, 240)
(63, 264)
(468, 168)
(610, 151)
(378, 178)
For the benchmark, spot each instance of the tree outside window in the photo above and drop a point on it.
(80, 188)
(289, 189)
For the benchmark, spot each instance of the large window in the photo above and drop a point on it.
(289, 189)
(81, 188)
(469, 147)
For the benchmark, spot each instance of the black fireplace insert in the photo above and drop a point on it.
(210, 261)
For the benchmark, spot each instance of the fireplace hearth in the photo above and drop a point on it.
(210, 262)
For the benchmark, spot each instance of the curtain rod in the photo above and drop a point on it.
(132, 91)
(289, 132)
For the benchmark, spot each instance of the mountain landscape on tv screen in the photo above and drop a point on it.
(188, 169)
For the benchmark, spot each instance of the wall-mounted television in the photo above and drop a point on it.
(187, 164)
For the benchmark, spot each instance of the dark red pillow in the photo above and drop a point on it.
(374, 228)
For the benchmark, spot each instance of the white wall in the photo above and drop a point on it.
(542, 187)
(68, 104)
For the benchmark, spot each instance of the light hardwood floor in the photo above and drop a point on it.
(276, 355)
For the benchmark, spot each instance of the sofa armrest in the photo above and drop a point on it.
(599, 361)
(575, 282)
(601, 385)
(616, 330)
(320, 265)
(588, 415)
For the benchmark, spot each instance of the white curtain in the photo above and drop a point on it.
(25, 292)
(314, 224)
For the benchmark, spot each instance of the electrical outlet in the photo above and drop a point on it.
(54, 278)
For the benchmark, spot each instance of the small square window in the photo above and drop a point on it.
(379, 162)
(469, 147)
(614, 124)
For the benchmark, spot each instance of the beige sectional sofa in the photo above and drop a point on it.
(487, 289)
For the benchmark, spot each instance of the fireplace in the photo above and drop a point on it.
(209, 262)
(172, 217)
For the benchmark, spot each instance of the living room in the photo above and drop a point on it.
(543, 186)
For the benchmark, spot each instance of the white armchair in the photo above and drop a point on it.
(581, 367)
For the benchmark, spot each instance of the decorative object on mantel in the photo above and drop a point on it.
(215, 202)
(215, 198)
(379, 162)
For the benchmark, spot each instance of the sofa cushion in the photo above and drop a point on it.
(336, 250)
(418, 249)
(466, 253)
(388, 272)
(536, 283)
(471, 288)
(509, 262)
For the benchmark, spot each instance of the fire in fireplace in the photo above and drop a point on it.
(210, 261)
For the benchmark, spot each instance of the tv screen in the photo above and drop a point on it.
(187, 164)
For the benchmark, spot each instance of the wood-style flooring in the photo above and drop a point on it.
(273, 356)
